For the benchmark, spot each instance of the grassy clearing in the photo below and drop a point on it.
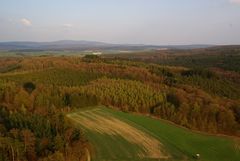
(129, 142)
(122, 136)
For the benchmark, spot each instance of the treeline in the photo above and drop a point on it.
(57, 77)
(128, 95)
(227, 57)
(33, 125)
(185, 105)
(214, 86)
(72, 71)
(195, 109)
(195, 98)
(204, 79)
(78, 72)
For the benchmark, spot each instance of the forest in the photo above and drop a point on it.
(37, 92)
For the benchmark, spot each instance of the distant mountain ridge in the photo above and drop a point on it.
(87, 45)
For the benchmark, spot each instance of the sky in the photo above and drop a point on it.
(159, 22)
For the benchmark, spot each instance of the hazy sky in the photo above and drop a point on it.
(122, 21)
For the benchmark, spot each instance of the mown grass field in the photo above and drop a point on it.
(119, 136)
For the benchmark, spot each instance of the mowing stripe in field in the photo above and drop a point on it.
(211, 148)
(92, 121)
(113, 135)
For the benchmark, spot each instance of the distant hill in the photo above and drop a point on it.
(87, 45)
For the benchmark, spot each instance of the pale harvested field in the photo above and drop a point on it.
(103, 124)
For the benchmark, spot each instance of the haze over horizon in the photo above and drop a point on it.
(157, 22)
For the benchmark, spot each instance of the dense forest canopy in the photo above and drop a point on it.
(37, 92)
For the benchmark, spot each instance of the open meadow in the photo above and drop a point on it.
(122, 136)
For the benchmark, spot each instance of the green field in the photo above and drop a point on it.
(122, 136)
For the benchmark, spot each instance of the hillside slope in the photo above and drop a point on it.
(121, 136)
